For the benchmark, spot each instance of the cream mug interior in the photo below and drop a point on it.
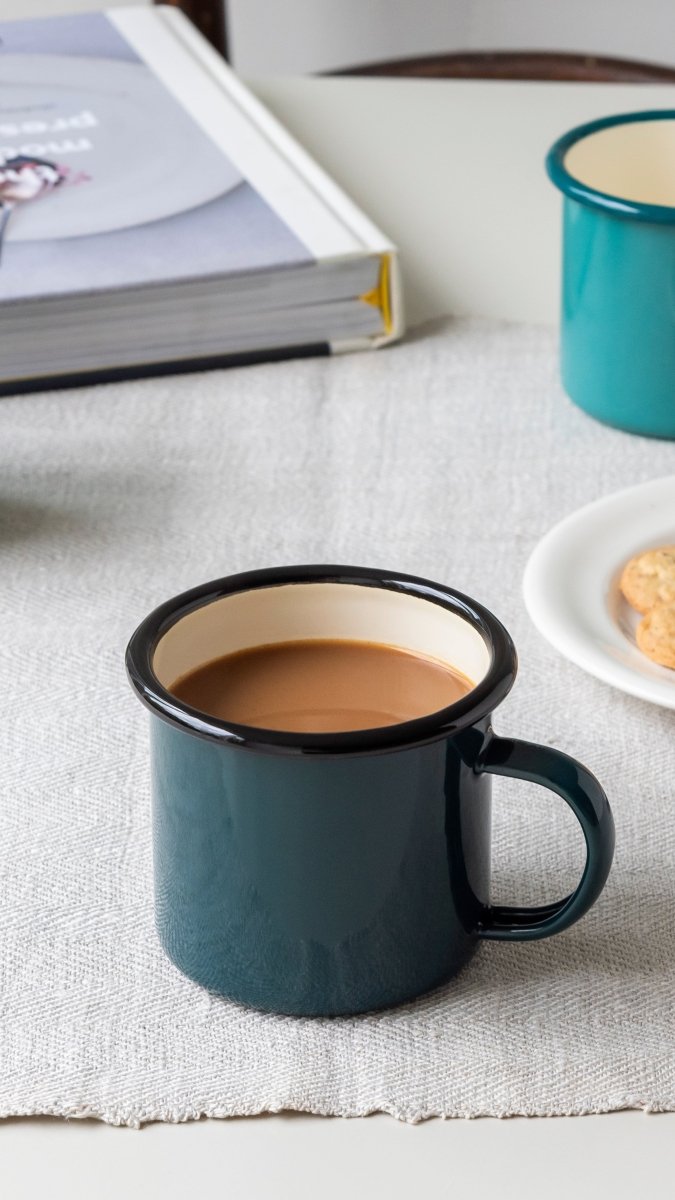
(632, 161)
(302, 612)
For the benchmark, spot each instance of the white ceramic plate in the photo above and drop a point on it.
(571, 586)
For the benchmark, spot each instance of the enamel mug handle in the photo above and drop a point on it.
(581, 790)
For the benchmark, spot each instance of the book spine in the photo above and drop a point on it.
(364, 230)
(269, 158)
(226, 112)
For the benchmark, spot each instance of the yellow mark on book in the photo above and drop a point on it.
(380, 296)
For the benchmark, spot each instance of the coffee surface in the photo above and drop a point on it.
(321, 686)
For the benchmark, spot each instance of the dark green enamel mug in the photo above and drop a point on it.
(321, 874)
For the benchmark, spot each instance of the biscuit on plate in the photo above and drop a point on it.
(656, 635)
(648, 579)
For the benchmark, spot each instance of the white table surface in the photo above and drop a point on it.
(614, 1157)
(492, 258)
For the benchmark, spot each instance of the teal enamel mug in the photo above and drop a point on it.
(617, 177)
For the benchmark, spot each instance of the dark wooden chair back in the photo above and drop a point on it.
(511, 64)
(210, 17)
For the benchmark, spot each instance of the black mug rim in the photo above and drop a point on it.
(477, 704)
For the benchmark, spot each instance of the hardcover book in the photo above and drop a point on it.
(154, 216)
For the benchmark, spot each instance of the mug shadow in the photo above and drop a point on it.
(105, 500)
(628, 934)
(27, 520)
(631, 937)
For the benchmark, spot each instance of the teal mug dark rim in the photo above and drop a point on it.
(478, 703)
(620, 207)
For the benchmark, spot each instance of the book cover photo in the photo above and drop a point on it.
(105, 180)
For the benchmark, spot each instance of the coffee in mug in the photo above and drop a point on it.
(321, 686)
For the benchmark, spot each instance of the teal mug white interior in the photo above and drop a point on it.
(617, 176)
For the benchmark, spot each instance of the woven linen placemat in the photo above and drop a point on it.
(448, 456)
